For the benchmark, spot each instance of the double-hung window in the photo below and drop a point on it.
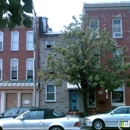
(50, 93)
(14, 69)
(1, 67)
(14, 41)
(94, 25)
(29, 41)
(29, 69)
(1, 41)
(117, 28)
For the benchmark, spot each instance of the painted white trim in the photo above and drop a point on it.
(11, 69)
(27, 34)
(2, 35)
(54, 94)
(14, 34)
(114, 33)
(3, 100)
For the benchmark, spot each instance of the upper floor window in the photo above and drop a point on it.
(29, 69)
(50, 93)
(14, 41)
(29, 41)
(117, 28)
(94, 25)
(1, 67)
(14, 69)
(1, 41)
(48, 44)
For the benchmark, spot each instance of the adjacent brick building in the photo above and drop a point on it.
(115, 17)
(17, 68)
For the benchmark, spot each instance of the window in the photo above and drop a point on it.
(94, 25)
(1, 41)
(50, 93)
(14, 41)
(1, 66)
(14, 69)
(29, 41)
(118, 96)
(29, 69)
(48, 44)
(118, 58)
(124, 110)
(33, 115)
(117, 28)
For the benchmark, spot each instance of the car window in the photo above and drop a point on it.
(121, 111)
(33, 115)
(11, 111)
(22, 110)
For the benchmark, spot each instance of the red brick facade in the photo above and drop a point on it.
(105, 13)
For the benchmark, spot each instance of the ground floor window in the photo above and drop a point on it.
(118, 96)
(91, 97)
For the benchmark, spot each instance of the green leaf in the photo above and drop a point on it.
(16, 18)
(27, 8)
(27, 22)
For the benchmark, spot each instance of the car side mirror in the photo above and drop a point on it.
(21, 118)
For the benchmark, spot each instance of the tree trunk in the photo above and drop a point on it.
(85, 104)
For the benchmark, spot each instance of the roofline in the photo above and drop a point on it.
(106, 6)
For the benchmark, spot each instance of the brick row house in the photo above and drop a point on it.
(115, 18)
(17, 68)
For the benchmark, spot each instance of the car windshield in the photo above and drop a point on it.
(11, 111)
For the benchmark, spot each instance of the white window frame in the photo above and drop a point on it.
(1, 40)
(54, 92)
(14, 41)
(12, 69)
(120, 89)
(95, 28)
(1, 69)
(116, 28)
(29, 42)
(29, 67)
(48, 44)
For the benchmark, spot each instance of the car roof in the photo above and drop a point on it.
(40, 109)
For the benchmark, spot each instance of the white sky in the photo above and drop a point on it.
(60, 12)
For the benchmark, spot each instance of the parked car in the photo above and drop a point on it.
(117, 118)
(41, 119)
(13, 112)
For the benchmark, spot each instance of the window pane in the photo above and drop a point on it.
(14, 40)
(121, 111)
(50, 96)
(29, 41)
(50, 88)
(29, 74)
(117, 97)
(14, 74)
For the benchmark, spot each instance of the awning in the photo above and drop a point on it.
(17, 85)
(72, 87)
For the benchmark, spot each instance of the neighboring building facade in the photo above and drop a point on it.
(17, 68)
(65, 98)
(115, 17)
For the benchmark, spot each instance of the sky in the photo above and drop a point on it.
(60, 12)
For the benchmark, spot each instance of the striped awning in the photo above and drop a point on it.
(72, 87)
(18, 84)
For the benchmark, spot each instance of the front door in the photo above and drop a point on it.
(74, 100)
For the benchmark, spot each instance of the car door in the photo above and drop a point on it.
(117, 116)
(33, 120)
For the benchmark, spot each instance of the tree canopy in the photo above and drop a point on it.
(87, 57)
(15, 12)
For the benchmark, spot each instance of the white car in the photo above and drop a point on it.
(41, 119)
(117, 118)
